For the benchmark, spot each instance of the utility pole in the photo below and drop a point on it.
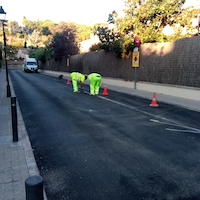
(198, 24)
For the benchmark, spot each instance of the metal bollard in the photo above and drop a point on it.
(14, 119)
(34, 188)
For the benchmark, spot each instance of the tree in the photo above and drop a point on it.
(148, 18)
(45, 31)
(35, 39)
(14, 27)
(110, 40)
(31, 25)
(11, 51)
(83, 32)
(64, 42)
(111, 17)
(42, 54)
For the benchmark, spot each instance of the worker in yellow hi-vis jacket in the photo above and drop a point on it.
(77, 79)
(95, 83)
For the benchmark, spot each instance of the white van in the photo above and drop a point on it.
(30, 65)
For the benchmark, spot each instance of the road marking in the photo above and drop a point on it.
(183, 131)
(155, 120)
(169, 122)
(188, 129)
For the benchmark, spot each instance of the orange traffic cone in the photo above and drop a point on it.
(154, 102)
(105, 91)
(68, 82)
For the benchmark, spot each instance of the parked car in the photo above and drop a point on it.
(30, 65)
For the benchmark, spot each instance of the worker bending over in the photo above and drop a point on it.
(95, 83)
(77, 79)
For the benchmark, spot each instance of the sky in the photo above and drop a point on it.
(79, 11)
(192, 3)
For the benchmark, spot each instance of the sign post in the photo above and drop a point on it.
(135, 64)
(136, 59)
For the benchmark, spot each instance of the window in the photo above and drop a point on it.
(31, 63)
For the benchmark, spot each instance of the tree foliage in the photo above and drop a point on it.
(14, 27)
(83, 32)
(148, 19)
(11, 51)
(43, 37)
(42, 54)
(64, 42)
(49, 29)
(110, 40)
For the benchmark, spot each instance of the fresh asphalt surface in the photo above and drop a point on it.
(112, 147)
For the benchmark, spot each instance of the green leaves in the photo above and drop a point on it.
(148, 19)
(41, 54)
(110, 40)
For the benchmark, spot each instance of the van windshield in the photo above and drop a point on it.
(31, 63)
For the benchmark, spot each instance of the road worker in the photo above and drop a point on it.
(77, 80)
(95, 83)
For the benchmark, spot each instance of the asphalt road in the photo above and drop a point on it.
(112, 147)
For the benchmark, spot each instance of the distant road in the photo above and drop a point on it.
(112, 147)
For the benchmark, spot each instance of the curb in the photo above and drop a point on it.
(189, 104)
(25, 142)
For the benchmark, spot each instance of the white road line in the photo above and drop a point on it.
(174, 124)
(183, 131)
(170, 122)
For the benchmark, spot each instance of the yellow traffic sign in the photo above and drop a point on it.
(136, 59)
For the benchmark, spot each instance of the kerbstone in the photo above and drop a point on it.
(17, 161)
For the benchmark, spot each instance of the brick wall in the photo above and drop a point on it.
(17, 62)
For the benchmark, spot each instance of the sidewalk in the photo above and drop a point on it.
(16, 159)
(186, 97)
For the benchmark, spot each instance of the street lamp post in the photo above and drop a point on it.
(198, 24)
(2, 19)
